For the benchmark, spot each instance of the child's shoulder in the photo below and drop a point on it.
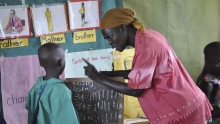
(59, 86)
(59, 89)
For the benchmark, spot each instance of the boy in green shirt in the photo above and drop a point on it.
(50, 101)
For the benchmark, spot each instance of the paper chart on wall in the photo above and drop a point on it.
(14, 22)
(18, 76)
(101, 59)
(49, 19)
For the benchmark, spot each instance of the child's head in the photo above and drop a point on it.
(212, 57)
(82, 4)
(52, 57)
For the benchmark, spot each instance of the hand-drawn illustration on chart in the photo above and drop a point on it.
(17, 78)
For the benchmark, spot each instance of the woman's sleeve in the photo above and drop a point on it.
(143, 70)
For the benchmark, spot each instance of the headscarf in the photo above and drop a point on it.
(117, 16)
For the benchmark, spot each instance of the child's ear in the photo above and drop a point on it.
(217, 63)
(61, 62)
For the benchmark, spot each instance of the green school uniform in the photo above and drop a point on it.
(55, 105)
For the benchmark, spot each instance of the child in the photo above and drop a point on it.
(82, 11)
(49, 100)
(208, 80)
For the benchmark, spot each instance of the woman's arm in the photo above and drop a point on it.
(121, 87)
(119, 73)
(207, 88)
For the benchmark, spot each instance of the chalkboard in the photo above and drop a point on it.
(96, 103)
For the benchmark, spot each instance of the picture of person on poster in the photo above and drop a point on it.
(14, 23)
(82, 12)
(49, 20)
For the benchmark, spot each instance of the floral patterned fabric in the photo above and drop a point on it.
(212, 80)
(171, 94)
(216, 102)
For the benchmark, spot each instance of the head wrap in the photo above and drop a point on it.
(117, 16)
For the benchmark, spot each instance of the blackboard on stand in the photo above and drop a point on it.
(96, 103)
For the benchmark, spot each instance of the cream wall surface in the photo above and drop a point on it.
(188, 25)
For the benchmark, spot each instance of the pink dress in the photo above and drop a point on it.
(171, 95)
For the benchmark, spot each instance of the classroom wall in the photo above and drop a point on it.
(34, 42)
(188, 25)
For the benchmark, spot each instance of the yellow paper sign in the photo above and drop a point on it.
(12, 43)
(53, 38)
(84, 36)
